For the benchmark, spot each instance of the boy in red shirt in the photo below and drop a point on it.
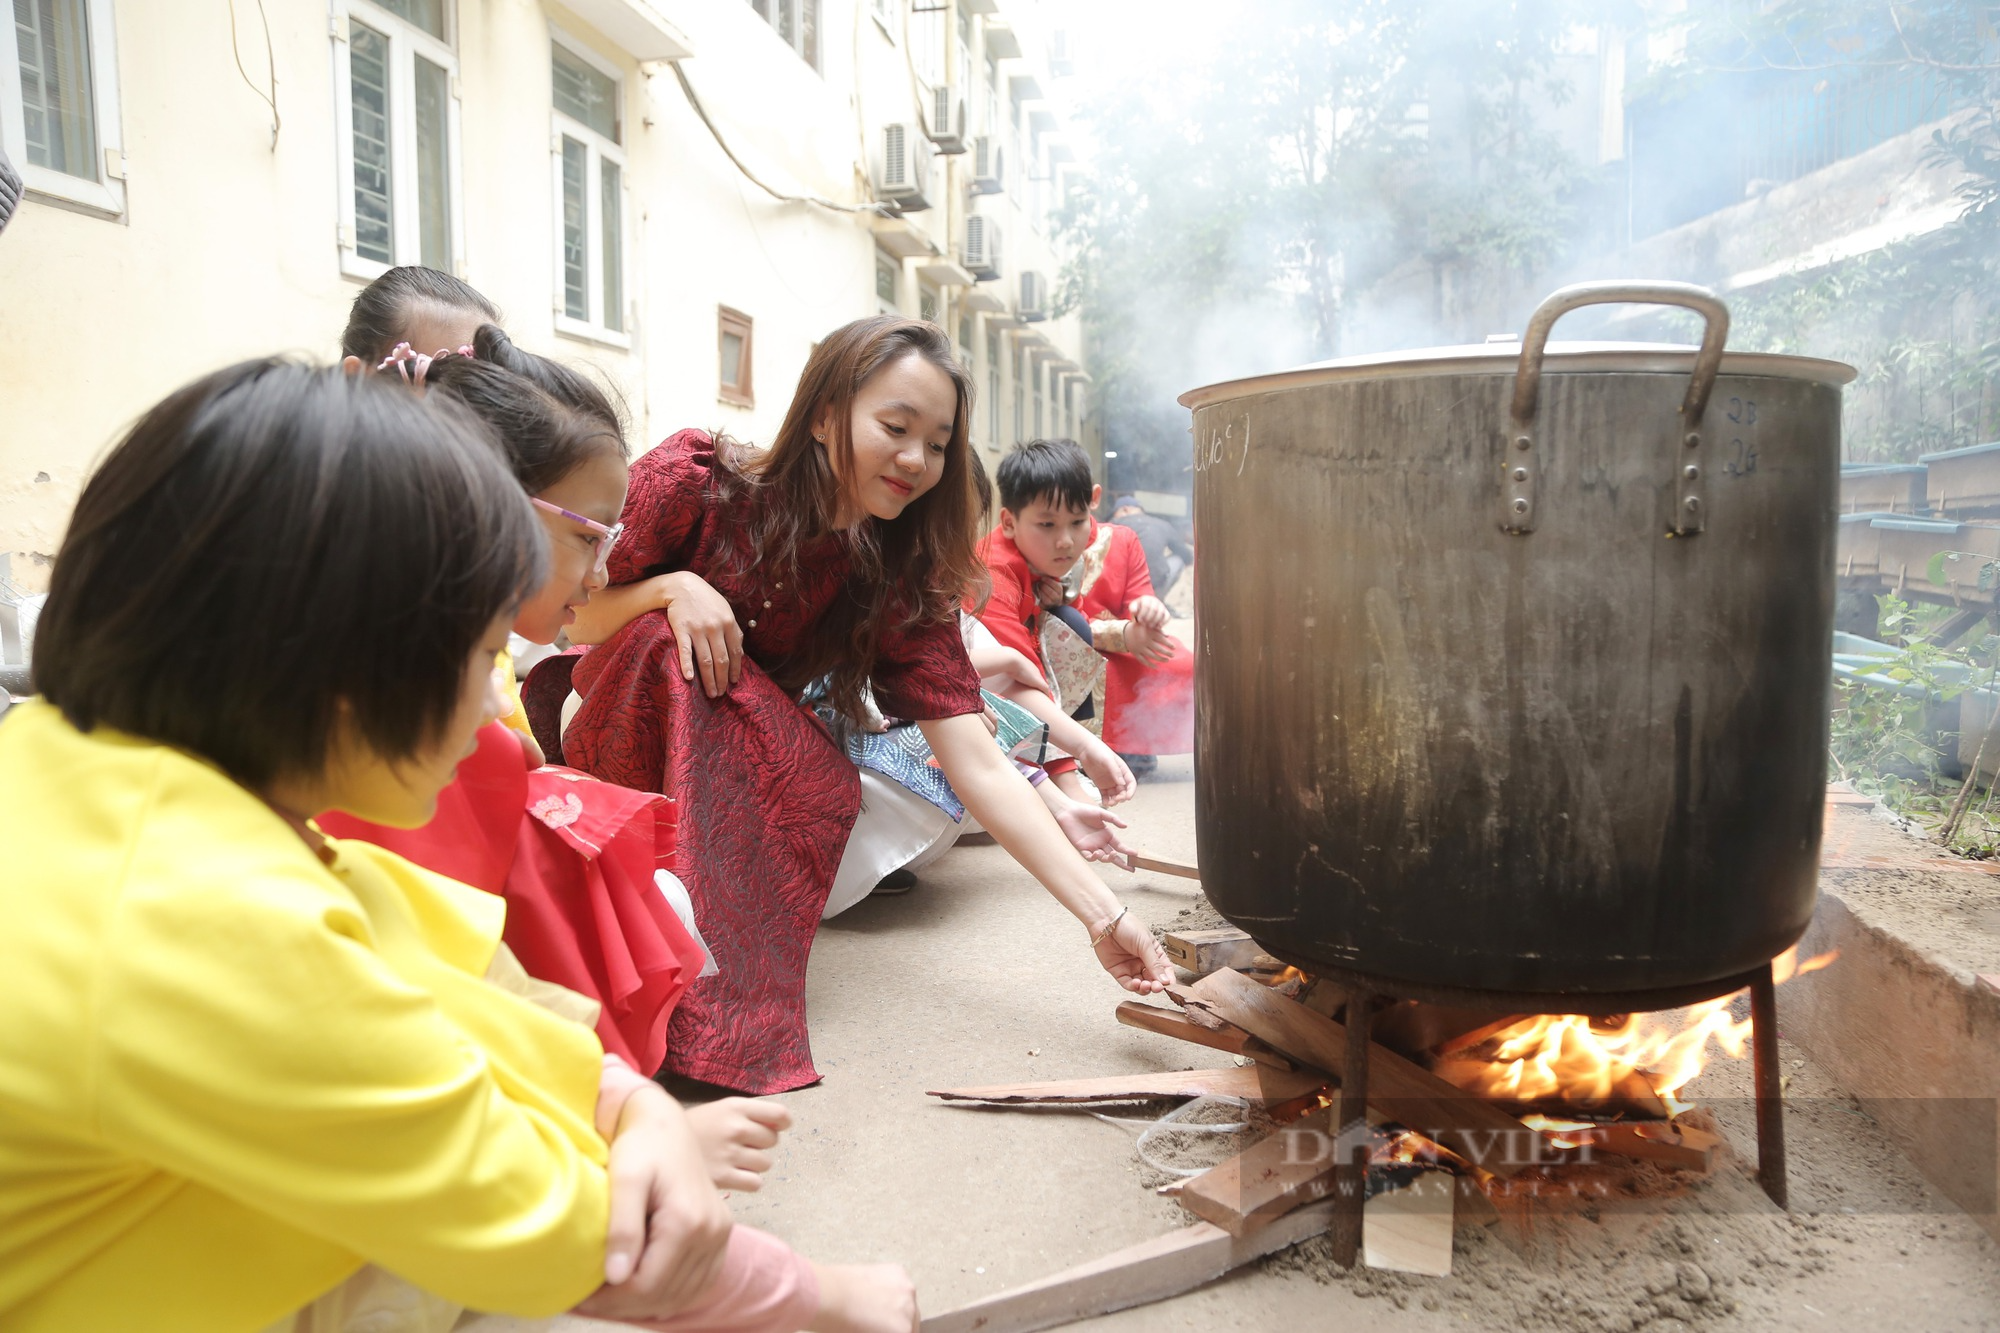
(1051, 563)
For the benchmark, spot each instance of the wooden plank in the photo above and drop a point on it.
(1252, 1082)
(1270, 1178)
(1682, 1147)
(1163, 867)
(1405, 1092)
(1408, 1230)
(1204, 951)
(1149, 1271)
(1174, 1023)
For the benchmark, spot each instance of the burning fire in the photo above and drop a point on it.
(1571, 1060)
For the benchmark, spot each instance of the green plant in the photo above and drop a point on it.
(1894, 735)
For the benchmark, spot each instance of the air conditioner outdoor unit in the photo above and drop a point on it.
(986, 162)
(1034, 297)
(906, 169)
(946, 112)
(982, 248)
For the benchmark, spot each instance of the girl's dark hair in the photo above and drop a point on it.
(273, 540)
(544, 436)
(376, 322)
(1057, 471)
(906, 572)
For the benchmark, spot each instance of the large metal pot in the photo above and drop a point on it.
(1512, 659)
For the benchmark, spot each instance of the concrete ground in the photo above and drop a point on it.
(977, 977)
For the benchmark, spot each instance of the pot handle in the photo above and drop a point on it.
(1518, 495)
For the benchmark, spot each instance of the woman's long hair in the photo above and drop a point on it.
(908, 571)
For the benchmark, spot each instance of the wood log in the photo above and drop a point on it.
(1149, 1271)
(1174, 1023)
(1254, 1083)
(1163, 867)
(1404, 1092)
(1680, 1146)
(1408, 1229)
(1270, 1178)
(1204, 951)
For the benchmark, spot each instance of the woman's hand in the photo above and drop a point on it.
(706, 632)
(1149, 645)
(669, 1228)
(1093, 831)
(1107, 772)
(736, 1136)
(1133, 956)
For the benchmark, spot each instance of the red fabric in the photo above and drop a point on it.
(1148, 709)
(574, 858)
(765, 800)
(1011, 613)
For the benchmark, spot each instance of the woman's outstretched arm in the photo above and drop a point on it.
(996, 795)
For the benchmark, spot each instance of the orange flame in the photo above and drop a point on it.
(1571, 1060)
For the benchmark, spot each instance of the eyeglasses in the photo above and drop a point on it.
(607, 537)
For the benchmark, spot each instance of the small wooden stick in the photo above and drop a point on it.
(1149, 1271)
(1163, 867)
(1253, 1083)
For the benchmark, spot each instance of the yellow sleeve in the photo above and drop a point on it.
(516, 715)
(256, 1039)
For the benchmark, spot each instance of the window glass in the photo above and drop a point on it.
(425, 14)
(433, 91)
(368, 63)
(732, 358)
(586, 94)
(54, 41)
(610, 207)
(576, 259)
(885, 278)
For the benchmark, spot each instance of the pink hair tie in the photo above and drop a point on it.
(411, 365)
(467, 350)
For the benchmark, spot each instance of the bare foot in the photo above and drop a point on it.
(736, 1136)
(865, 1298)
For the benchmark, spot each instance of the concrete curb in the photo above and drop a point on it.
(1915, 1039)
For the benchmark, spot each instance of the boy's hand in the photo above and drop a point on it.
(736, 1136)
(1150, 612)
(1149, 645)
(1049, 591)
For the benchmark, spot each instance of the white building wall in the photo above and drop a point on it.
(227, 247)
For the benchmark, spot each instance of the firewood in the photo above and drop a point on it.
(1407, 1229)
(1274, 1175)
(1404, 1092)
(1174, 1023)
(1253, 1083)
(1164, 867)
(1152, 1270)
(1204, 951)
(1681, 1146)
(1413, 1027)
(1628, 1095)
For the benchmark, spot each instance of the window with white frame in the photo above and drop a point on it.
(395, 92)
(796, 23)
(588, 145)
(59, 101)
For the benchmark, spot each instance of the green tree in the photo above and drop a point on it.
(1243, 202)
